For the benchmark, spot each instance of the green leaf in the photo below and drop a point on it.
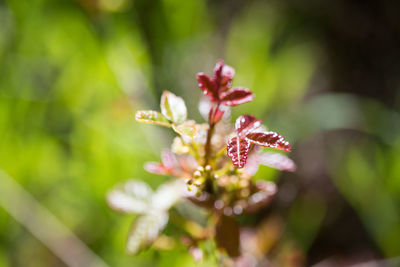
(130, 197)
(151, 116)
(188, 128)
(145, 229)
(173, 107)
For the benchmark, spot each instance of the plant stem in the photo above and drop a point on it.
(209, 136)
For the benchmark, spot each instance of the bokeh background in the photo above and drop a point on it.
(326, 75)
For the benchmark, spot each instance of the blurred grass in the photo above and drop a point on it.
(72, 74)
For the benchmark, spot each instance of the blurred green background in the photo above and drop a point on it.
(325, 75)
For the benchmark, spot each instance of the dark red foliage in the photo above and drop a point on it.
(247, 127)
(269, 139)
(236, 97)
(237, 150)
(218, 88)
(215, 115)
(246, 124)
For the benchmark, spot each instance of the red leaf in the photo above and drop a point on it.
(237, 150)
(246, 124)
(227, 235)
(223, 75)
(218, 72)
(269, 139)
(208, 86)
(226, 80)
(215, 115)
(236, 97)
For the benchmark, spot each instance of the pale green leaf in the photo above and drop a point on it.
(151, 116)
(173, 107)
(145, 229)
(188, 128)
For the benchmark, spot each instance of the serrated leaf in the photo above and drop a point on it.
(188, 128)
(269, 139)
(145, 229)
(173, 107)
(238, 150)
(236, 96)
(227, 235)
(246, 124)
(168, 194)
(130, 197)
(153, 117)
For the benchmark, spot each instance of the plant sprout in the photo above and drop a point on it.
(212, 164)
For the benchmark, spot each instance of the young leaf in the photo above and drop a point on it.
(227, 235)
(269, 139)
(188, 128)
(145, 229)
(237, 150)
(173, 107)
(236, 97)
(246, 124)
(208, 86)
(217, 115)
(130, 197)
(151, 116)
(218, 72)
(226, 80)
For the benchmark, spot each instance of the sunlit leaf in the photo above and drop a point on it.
(236, 96)
(173, 107)
(188, 128)
(168, 194)
(227, 235)
(237, 150)
(246, 124)
(269, 139)
(145, 229)
(130, 197)
(151, 116)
